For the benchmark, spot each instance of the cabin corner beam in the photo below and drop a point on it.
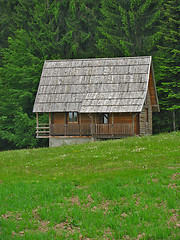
(37, 123)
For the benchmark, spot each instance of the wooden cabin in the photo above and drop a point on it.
(96, 98)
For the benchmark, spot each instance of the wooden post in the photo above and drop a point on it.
(112, 127)
(80, 123)
(133, 122)
(65, 128)
(112, 118)
(49, 118)
(49, 123)
(95, 122)
(174, 120)
(91, 123)
(37, 124)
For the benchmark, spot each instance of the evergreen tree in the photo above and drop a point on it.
(168, 61)
(19, 79)
(128, 28)
(59, 29)
(41, 30)
(78, 40)
(6, 22)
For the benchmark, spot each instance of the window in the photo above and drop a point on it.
(105, 118)
(73, 116)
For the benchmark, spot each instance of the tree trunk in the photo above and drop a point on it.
(47, 4)
(174, 121)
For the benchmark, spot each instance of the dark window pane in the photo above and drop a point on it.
(75, 116)
(105, 118)
(70, 117)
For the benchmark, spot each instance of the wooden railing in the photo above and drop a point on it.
(70, 129)
(42, 130)
(112, 129)
(96, 130)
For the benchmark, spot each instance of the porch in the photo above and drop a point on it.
(84, 130)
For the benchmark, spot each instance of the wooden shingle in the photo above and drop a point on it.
(93, 85)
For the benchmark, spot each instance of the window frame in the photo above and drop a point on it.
(105, 118)
(73, 118)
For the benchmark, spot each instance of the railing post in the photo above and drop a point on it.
(112, 130)
(91, 124)
(49, 122)
(65, 129)
(133, 123)
(37, 125)
(80, 124)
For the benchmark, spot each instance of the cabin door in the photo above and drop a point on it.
(72, 124)
(57, 124)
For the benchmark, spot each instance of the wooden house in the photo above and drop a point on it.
(96, 98)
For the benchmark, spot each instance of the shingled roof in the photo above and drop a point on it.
(93, 85)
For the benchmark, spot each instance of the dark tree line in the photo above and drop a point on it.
(32, 31)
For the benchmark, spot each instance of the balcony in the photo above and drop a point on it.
(85, 130)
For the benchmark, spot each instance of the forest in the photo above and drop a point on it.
(38, 30)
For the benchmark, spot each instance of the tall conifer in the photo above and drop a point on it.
(128, 28)
(168, 61)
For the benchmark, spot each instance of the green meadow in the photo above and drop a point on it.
(117, 189)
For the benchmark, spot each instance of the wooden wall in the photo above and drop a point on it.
(127, 118)
(145, 121)
(58, 118)
(90, 118)
(115, 118)
(151, 90)
(84, 118)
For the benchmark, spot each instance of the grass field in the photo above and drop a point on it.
(117, 189)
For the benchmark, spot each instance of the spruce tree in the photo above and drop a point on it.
(19, 80)
(128, 28)
(78, 40)
(41, 30)
(168, 62)
(7, 8)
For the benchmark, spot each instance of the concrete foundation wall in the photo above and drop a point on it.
(56, 142)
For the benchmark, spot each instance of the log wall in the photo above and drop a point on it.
(145, 117)
(151, 90)
(115, 118)
(84, 118)
(127, 118)
(58, 118)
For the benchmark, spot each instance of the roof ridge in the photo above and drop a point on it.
(93, 59)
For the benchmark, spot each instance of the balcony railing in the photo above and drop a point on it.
(95, 130)
(42, 130)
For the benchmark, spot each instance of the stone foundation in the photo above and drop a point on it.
(56, 142)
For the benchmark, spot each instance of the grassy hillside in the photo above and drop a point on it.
(121, 189)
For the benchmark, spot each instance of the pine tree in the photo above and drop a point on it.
(78, 40)
(128, 28)
(168, 61)
(41, 30)
(19, 79)
(59, 29)
(7, 8)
